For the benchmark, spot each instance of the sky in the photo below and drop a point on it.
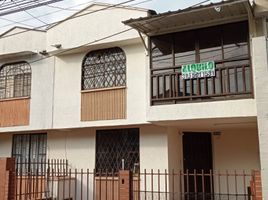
(65, 8)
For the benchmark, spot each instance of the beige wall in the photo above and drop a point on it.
(67, 94)
(260, 60)
(41, 101)
(94, 26)
(20, 40)
(77, 146)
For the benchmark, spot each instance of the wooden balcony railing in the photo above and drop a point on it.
(232, 81)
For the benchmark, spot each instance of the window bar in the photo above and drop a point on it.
(211, 184)
(94, 185)
(58, 181)
(188, 184)
(176, 85)
(227, 185)
(81, 184)
(219, 184)
(236, 192)
(145, 186)
(164, 86)
(228, 80)
(158, 179)
(152, 185)
(166, 185)
(244, 184)
(173, 185)
(203, 185)
(64, 180)
(87, 184)
(180, 182)
(69, 182)
(244, 78)
(195, 185)
(171, 83)
(157, 86)
(236, 81)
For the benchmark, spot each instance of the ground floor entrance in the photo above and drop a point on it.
(197, 159)
(188, 160)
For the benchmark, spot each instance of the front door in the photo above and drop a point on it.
(197, 153)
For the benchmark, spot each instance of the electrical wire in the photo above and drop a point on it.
(30, 14)
(72, 17)
(24, 5)
(46, 14)
(15, 22)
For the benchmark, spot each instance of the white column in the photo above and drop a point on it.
(260, 69)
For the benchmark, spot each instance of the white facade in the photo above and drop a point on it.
(238, 127)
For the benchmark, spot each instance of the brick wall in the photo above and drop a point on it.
(256, 187)
(7, 177)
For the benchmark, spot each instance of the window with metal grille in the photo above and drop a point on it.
(15, 80)
(117, 149)
(29, 150)
(104, 68)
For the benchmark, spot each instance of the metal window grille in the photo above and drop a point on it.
(104, 68)
(29, 151)
(117, 149)
(15, 80)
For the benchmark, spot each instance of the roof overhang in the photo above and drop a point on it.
(194, 17)
(17, 54)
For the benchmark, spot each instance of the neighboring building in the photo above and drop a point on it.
(94, 92)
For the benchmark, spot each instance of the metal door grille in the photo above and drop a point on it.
(113, 146)
(104, 68)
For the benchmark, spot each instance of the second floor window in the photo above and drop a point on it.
(15, 80)
(104, 69)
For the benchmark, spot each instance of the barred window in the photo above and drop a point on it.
(115, 148)
(29, 150)
(15, 80)
(104, 68)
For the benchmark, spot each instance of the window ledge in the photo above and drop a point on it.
(103, 89)
(15, 98)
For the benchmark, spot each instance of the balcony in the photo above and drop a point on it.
(232, 80)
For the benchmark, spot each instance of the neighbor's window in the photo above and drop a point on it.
(29, 150)
(104, 69)
(15, 80)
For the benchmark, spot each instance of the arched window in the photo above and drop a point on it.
(15, 80)
(104, 69)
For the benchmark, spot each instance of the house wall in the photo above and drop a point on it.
(61, 33)
(41, 94)
(20, 40)
(260, 60)
(233, 149)
(67, 94)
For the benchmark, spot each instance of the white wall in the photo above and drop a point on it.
(77, 146)
(203, 110)
(67, 99)
(260, 61)
(41, 94)
(20, 39)
(93, 27)
(153, 148)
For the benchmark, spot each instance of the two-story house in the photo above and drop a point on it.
(115, 87)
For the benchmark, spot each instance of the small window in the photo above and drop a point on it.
(15, 80)
(29, 150)
(104, 69)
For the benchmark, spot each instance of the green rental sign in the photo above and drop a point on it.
(198, 70)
